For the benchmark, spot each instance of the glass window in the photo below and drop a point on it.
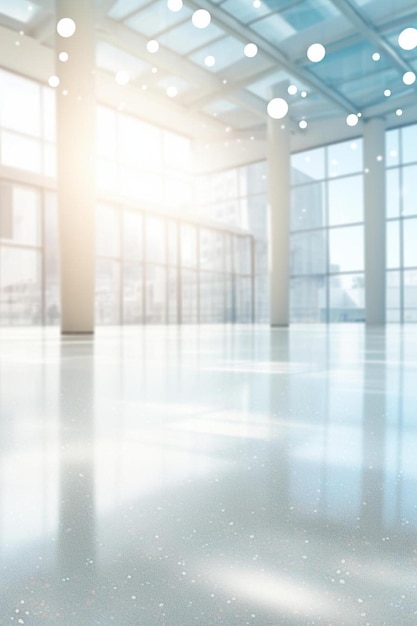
(51, 259)
(20, 104)
(228, 213)
(410, 296)
(106, 175)
(252, 179)
(173, 295)
(409, 143)
(308, 253)
(108, 234)
(393, 297)
(132, 235)
(307, 206)
(393, 244)
(211, 297)
(228, 258)
(203, 190)
(345, 158)
(347, 298)
(410, 242)
(409, 189)
(346, 200)
(243, 298)
(346, 249)
(188, 246)
(224, 185)
(20, 214)
(49, 160)
(140, 185)
(242, 252)
(211, 249)
(107, 291)
(307, 166)
(155, 294)
(106, 135)
(177, 192)
(172, 243)
(308, 299)
(255, 214)
(393, 192)
(21, 152)
(49, 114)
(177, 151)
(155, 240)
(132, 292)
(139, 143)
(20, 287)
(392, 147)
(189, 296)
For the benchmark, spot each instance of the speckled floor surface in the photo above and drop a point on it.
(217, 475)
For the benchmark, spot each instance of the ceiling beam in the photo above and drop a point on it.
(353, 14)
(233, 27)
(172, 63)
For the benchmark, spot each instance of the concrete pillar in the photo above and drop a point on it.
(374, 200)
(279, 218)
(75, 153)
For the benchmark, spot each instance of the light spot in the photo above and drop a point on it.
(250, 50)
(277, 108)
(172, 91)
(63, 57)
(66, 27)
(152, 46)
(409, 78)
(174, 5)
(201, 18)
(316, 52)
(407, 39)
(122, 77)
(352, 119)
(53, 81)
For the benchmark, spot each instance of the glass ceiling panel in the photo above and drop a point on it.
(274, 28)
(156, 18)
(347, 63)
(262, 88)
(370, 88)
(113, 59)
(219, 106)
(226, 52)
(309, 13)
(19, 10)
(122, 8)
(181, 85)
(392, 37)
(377, 9)
(187, 37)
(245, 11)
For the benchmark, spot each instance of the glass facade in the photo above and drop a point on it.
(327, 234)
(156, 267)
(237, 197)
(151, 267)
(401, 188)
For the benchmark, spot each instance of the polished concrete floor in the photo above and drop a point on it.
(213, 475)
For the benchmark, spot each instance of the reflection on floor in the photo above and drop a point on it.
(213, 475)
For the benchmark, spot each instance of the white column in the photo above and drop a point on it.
(374, 199)
(279, 216)
(75, 153)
